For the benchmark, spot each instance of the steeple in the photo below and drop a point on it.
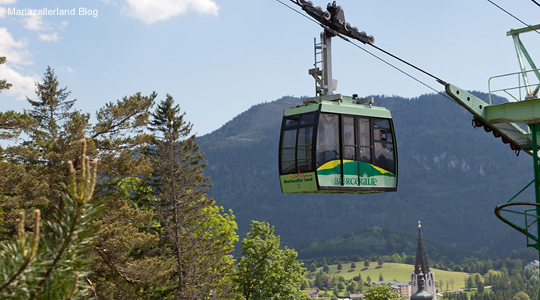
(421, 263)
(422, 280)
(421, 294)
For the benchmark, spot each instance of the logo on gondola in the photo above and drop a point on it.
(294, 178)
(357, 181)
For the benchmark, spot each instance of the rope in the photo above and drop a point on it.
(379, 58)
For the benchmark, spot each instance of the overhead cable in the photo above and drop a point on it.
(514, 16)
(378, 57)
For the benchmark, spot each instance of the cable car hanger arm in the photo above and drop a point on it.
(333, 20)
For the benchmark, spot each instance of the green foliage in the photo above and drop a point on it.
(381, 292)
(122, 261)
(398, 272)
(143, 250)
(326, 269)
(497, 285)
(58, 270)
(4, 85)
(13, 123)
(322, 281)
(197, 235)
(51, 111)
(521, 296)
(265, 271)
(370, 242)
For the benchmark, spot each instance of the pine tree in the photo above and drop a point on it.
(122, 266)
(197, 232)
(58, 269)
(51, 110)
(36, 167)
(4, 85)
(13, 123)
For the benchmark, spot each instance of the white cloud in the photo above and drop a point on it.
(22, 85)
(15, 51)
(150, 11)
(63, 25)
(34, 22)
(17, 55)
(49, 37)
(2, 2)
(3, 12)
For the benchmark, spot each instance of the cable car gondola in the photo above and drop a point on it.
(334, 143)
(337, 144)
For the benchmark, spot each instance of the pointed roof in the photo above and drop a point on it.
(421, 263)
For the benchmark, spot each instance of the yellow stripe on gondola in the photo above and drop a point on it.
(332, 164)
(382, 170)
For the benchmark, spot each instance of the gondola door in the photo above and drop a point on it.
(329, 167)
(349, 160)
(365, 151)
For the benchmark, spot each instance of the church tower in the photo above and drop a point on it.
(421, 270)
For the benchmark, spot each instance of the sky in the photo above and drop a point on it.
(217, 58)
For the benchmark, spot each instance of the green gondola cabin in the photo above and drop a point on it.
(337, 144)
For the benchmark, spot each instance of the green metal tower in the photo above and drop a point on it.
(509, 121)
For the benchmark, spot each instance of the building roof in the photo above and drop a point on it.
(394, 284)
(312, 291)
(421, 263)
(532, 264)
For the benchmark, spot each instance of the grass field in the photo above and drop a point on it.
(398, 272)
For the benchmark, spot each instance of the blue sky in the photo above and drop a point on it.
(217, 58)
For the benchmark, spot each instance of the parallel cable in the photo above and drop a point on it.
(514, 16)
(379, 58)
(535, 2)
(299, 12)
(409, 64)
(403, 72)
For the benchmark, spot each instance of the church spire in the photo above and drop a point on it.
(421, 263)
(421, 294)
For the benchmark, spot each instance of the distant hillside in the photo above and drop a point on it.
(394, 271)
(377, 241)
(451, 176)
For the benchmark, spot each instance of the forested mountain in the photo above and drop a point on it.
(451, 176)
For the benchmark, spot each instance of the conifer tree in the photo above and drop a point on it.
(33, 172)
(4, 85)
(197, 233)
(59, 268)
